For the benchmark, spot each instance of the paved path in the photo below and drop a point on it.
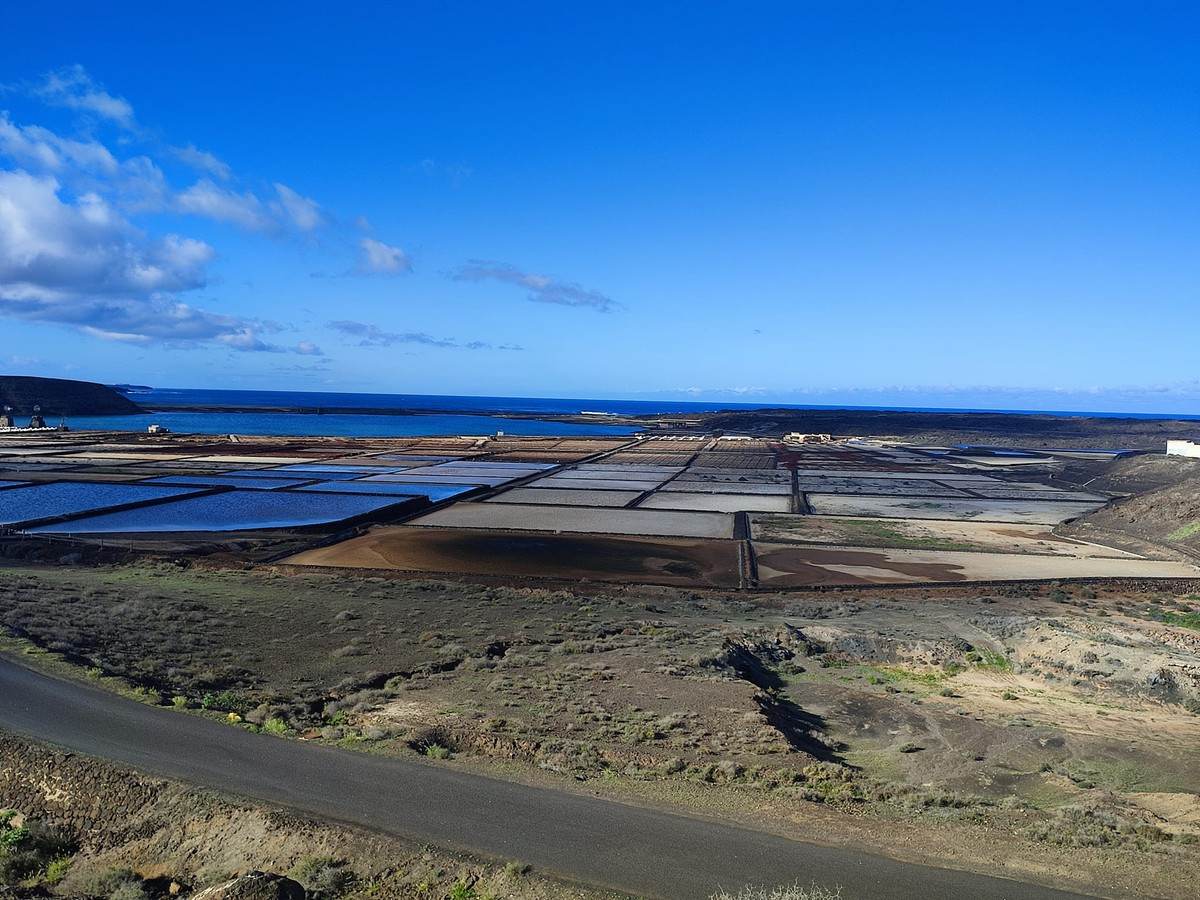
(625, 848)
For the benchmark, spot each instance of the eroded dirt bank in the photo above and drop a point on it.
(117, 829)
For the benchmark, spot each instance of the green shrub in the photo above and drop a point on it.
(226, 701)
(111, 884)
(995, 661)
(324, 876)
(128, 890)
(57, 870)
(1076, 826)
(436, 751)
(275, 726)
(27, 852)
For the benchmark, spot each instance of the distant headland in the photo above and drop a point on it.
(62, 397)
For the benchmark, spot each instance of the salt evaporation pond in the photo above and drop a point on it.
(433, 492)
(63, 498)
(229, 511)
(248, 482)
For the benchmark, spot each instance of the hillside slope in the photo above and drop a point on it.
(61, 397)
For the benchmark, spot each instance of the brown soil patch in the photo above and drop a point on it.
(476, 552)
(804, 566)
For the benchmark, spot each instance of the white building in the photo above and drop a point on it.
(796, 437)
(1183, 448)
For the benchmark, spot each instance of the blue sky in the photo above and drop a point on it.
(979, 204)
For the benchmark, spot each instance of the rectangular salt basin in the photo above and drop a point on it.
(230, 511)
(882, 486)
(432, 492)
(474, 480)
(725, 487)
(495, 464)
(36, 450)
(718, 502)
(745, 476)
(617, 467)
(507, 474)
(339, 469)
(590, 475)
(279, 460)
(594, 484)
(1038, 493)
(515, 517)
(416, 457)
(565, 498)
(293, 472)
(872, 473)
(236, 481)
(794, 565)
(44, 501)
(1038, 512)
(198, 466)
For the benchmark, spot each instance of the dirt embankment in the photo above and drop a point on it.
(1164, 507)
(117, 820)
(62, 397)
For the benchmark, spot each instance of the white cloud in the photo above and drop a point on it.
(71, 249)
(204, 198)
(373, 336)
(542, 288)
(380, 258)
(80, 263)
(296, 210)
(44, 150)
(72, 87)
(202, 161)
(49, 248)
(212, 201)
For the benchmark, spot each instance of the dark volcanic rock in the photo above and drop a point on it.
(60, 397)
(254, 886)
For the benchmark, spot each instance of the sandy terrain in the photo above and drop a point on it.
(933, 534)
(792, 565)
(1044, 512)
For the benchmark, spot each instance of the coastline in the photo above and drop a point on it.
(935, 428)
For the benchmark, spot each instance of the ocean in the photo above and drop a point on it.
(448, 421)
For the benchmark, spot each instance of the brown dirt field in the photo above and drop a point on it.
(535, 555)
(783, 565)
(932, 534)
(794, 566)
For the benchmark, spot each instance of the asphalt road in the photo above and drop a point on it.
(625, 848)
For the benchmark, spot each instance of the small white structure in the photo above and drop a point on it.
(1183, 448)
(797, 437)
(157, 429)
